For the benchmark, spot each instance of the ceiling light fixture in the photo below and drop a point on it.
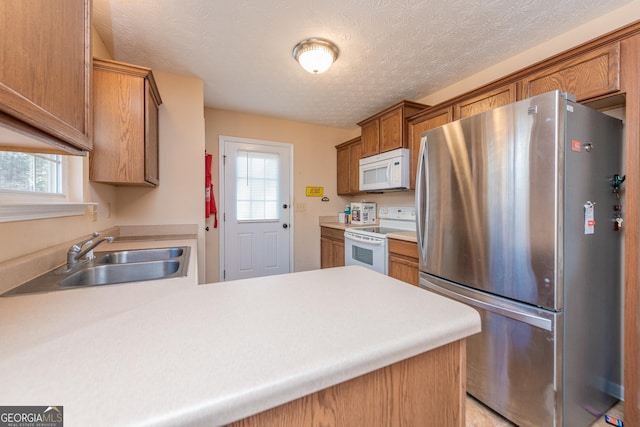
(315, 55)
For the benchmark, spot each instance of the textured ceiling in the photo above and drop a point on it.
(390, 50)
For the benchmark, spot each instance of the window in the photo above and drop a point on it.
(31, 173)
(38, 186)
(257, 186)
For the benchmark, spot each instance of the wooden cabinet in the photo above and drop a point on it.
(348, 159)
(403, 261)
(417, 125)
(126, 103)
(387, 130)
(45, 77)
(485, 101)
(590, 75)
(331, 247)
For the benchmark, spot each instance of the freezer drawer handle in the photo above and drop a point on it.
(530, 319)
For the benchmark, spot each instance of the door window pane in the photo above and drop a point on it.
(37, 173)
(257, 186)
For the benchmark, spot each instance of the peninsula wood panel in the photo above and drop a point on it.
(590, 75)
(428, 389)
(45, 77)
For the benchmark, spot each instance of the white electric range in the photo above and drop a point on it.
(367, 245)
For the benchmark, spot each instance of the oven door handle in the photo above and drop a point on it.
(368, 240)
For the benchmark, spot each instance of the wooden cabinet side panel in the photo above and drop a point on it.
(118, 155)
(428, 389)
(438, 118)
(391, 135)
(630, 73)
(45, 78)
(151, 138)
(370, 138)
(590, 75)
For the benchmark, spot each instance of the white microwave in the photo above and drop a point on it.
(385, 171)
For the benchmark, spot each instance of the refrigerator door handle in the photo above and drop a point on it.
(421, 202)
(528, 318)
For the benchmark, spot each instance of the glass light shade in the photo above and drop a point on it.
(315, 55)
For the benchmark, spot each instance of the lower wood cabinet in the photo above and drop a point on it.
(403, 261)
(331, 247)
(126, 101)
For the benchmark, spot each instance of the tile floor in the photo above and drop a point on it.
(479, 415)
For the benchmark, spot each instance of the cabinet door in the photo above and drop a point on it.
(403, 261)
(338, 253)
(416, 128)
(391, 135)
(371, 138)
(119, 153)
(587, 76)
(404, 269)
(355, 153)
(344, 170)
(45, 77)
(326, 258)
(487, 101)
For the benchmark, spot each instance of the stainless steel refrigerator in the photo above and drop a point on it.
(520, 215)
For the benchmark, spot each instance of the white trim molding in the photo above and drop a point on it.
(10, 212)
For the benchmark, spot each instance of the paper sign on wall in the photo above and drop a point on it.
(315, 191)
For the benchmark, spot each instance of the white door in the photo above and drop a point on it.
(257, 227)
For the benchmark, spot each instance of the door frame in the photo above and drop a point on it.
(222, 139)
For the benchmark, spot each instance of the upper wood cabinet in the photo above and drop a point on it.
(417, 125)
(485, 102)
(589, 75)
(45, 77)
(348, 164)
(387, 130)
(126, 101)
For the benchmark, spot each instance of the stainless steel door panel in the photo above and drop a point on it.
(487, 194)
(511, 364)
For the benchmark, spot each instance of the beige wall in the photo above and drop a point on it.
(314, 165)
(179, 199)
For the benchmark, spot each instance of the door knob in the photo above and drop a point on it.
(285, 206)
(285, 225)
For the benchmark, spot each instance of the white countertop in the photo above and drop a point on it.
(174, 353)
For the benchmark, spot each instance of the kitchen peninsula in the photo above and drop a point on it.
(324, 346)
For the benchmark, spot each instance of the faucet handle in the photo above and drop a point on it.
(80, 244)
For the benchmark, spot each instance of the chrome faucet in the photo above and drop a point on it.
(75, 252)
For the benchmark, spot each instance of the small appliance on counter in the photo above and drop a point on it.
(363, 213)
